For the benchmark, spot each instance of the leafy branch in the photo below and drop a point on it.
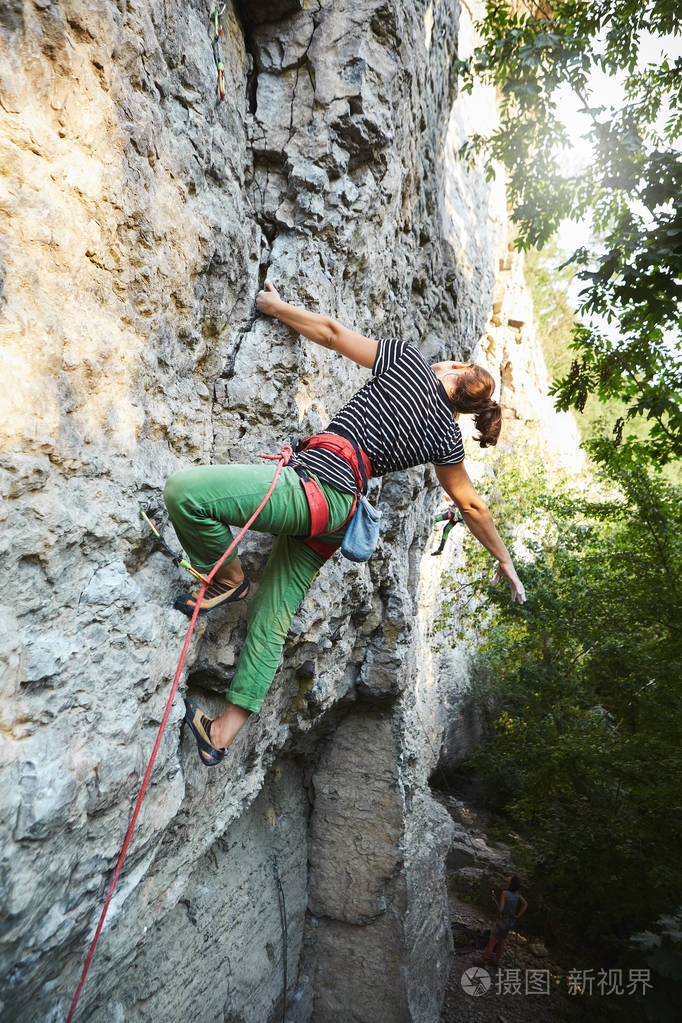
(628, 341)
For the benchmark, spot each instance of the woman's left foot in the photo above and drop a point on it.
(200, 726)
(217, 593)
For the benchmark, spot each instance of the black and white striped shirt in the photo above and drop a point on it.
(401, 417)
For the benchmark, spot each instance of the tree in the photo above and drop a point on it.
(581, 692)
(628, 342)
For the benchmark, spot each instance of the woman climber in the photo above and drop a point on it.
(403, 416)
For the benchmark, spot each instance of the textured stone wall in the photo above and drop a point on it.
(138, 217)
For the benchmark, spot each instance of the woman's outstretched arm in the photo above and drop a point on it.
(454, 479)
(320, 329)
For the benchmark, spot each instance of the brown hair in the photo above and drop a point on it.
(472, 394)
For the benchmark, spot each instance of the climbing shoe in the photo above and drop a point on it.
(217, 594)
(200, 726)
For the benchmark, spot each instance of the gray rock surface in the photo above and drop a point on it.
(140, 215)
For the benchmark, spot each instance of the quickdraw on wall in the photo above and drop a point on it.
(175, 558)
(217, 19)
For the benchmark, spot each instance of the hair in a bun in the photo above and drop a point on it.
(472, 395)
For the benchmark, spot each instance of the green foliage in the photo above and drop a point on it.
(581, 692)
(629, 342)
(549, 286)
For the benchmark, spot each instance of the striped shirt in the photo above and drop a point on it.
(400, 418)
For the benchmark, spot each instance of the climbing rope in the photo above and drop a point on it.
(282, 459)
(285, 936)
(217, 19)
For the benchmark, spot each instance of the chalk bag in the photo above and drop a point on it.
(362, 533)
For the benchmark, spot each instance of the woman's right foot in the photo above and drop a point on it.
(200, 725)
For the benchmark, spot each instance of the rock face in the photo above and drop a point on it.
(140, 215)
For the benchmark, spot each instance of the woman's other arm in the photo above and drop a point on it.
(320, 329)
(454, 479)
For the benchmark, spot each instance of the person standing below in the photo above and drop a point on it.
(403, 416)
(512, 907)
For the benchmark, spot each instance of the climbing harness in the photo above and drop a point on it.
(362, 534)
(217, 19)
(359, 462)
(283, 459)
(345, 448)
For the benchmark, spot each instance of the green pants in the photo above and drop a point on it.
(204, 502)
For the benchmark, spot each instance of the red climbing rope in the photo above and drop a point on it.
(283, 459)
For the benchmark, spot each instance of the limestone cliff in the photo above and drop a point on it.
(139, 216)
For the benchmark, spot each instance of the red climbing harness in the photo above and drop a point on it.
(344, 448)
(319, 512)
